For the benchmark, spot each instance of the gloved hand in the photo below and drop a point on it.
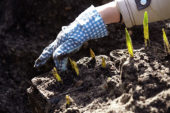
(88, 25)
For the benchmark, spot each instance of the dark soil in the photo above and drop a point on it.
(27, 26)
(141, 84)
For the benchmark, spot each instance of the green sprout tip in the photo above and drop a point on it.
(129, 43)
(146, 29)
(166, 42)
(56, 75)
(74, 66)
(92, 54)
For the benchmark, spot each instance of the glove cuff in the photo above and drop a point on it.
(92, 23)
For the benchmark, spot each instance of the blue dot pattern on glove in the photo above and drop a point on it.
(88, 25)
(92, 23)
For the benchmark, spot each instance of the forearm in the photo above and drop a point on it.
(109, 13)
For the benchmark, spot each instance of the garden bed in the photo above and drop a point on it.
(28, 26)
(141, 84)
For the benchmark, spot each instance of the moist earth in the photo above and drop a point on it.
(125, 85)
(140, 84)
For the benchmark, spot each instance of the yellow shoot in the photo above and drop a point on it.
(92, 54)
(129, 43)
(74, 66)
(56, 75)
(109, 79)
(166, 40)
(68, 100)
(146, 28)
(103, 63)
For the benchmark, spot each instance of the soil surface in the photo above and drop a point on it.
(140, 85)
(27, 27)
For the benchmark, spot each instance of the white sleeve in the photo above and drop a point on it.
(132, 15)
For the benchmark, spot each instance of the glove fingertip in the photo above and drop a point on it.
(38, 63)
(35, 65)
